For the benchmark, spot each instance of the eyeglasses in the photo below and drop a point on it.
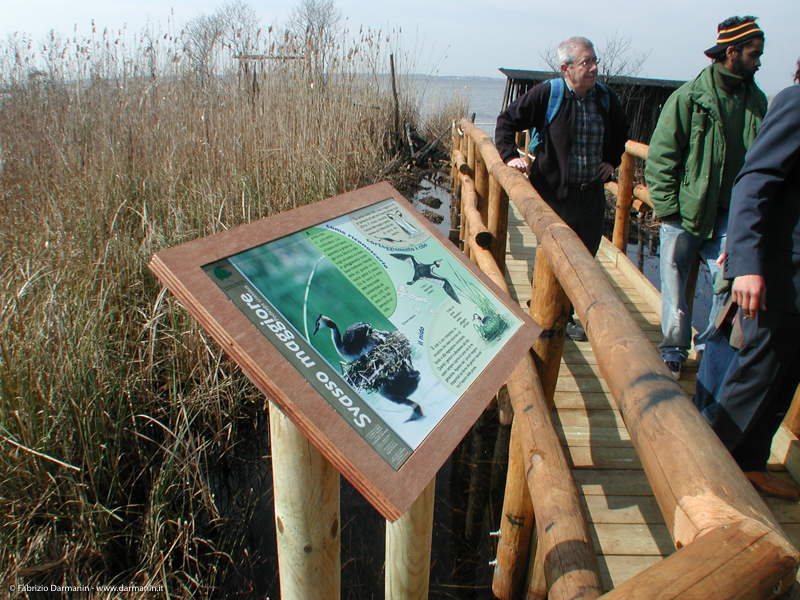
(585, 63)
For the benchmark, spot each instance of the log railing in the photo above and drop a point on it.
(728, 543)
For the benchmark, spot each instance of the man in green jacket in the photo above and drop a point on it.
(696, 151)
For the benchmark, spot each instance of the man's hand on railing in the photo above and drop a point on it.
(519, 164)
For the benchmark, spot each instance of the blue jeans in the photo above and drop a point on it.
(678, 249)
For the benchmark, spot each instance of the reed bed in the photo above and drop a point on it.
(133, 450)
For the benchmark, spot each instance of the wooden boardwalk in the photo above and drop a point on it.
(628, 529)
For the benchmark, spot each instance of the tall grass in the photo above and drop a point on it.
(120, 421)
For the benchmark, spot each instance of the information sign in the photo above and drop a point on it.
(365, 325)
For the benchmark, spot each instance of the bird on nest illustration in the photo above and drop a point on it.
(425, 271)
(376, 361)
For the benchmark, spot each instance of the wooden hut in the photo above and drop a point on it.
(641, 98)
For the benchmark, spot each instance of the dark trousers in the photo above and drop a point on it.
(717, 358)
(758, 386)
(585, 212)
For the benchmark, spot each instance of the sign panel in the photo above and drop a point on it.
(366, 327)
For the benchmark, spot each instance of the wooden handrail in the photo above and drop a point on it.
(571, 569)
(640, 193)
(637, 149)
(626, 191)
(482, 235)
(699, 488)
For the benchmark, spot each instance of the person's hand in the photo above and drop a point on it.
(750, 293)
(605, 172)
(721, 259)
(519, 164)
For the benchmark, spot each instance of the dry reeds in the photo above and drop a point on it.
(132, 449)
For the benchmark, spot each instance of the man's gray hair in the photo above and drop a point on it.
(567, 50)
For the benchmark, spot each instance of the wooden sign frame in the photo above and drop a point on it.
(464, 332)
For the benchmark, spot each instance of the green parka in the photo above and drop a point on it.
(687, 150)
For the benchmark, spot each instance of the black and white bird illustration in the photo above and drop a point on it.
(399, 385)
(425, 271)
(376, 361)
(491, 326)
(358, 338)
(399, 220)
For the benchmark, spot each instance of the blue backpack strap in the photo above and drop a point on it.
(556, 96)
(553, 104)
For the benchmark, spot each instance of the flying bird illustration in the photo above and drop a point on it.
(425, 271)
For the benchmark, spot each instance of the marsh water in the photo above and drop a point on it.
(469, 487)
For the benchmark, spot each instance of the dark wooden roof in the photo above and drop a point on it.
(522, 74)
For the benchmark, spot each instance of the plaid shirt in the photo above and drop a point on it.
(587, 140)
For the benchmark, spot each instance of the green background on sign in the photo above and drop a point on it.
(359, 266)
(292, 274)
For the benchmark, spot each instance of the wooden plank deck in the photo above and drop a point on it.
(627, 526)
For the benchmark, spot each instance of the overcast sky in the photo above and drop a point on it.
(472, 37)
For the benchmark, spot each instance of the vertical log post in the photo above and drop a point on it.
(455, 146)
(455, 203)
(464, 230)
(516, 525)
(622, 219)
(550, 309)
(408, 550)
(568, 567)
(481, 177)
(306, 488)
(497, 222)
(469, 152)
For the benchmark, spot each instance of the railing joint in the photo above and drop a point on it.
(549, 334)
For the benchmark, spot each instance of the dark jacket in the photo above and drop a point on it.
(550, 171)
(764, 222)
(687, 151)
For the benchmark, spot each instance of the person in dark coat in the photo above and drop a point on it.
(581, 146)
(763, 261)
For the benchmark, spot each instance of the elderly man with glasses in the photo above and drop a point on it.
(581, 143)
